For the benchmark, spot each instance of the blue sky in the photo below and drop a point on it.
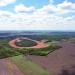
(37, 15)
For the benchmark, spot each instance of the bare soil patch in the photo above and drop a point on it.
(8, 68)
(58, 62)
(39, 44)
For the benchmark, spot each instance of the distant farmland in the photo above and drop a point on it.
(37, 53)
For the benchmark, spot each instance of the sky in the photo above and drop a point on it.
(37, 15)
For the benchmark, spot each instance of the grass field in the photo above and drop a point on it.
(26, 43)
(27, 66)
(7, 51)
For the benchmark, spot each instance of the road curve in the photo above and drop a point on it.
(40, 44)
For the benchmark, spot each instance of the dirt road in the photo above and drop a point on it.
(40, 44)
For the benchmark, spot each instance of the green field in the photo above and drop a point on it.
(18, 56)
(26, 43)
(8, 51)
(28, 67)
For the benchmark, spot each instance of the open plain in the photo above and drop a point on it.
(59, 62)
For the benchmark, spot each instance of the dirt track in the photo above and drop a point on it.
(40, 44)
(8, 68)
(59, 62)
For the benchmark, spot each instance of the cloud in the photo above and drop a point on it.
(65, 4)
(49, 17)
(35, 22)
(69, 7)
(22, 8)
(6, 2)
(62, 8)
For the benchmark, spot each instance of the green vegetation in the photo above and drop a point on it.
(41, 51)
(28, 67)
(8, 51)
(44, 51)
(26, 43)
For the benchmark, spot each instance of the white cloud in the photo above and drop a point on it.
(6, 2)
(65, 4)
(22, 8)
(35, 22)
(62, 8)
(46, 18)
(67, 7)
